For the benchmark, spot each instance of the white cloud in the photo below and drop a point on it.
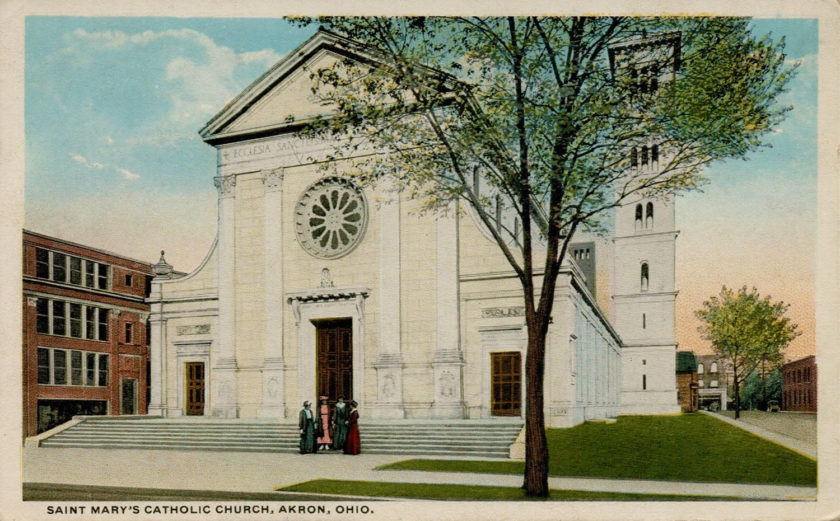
(127, 174)
(82, 160)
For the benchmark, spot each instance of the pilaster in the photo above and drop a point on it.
(224, 403)
(274, 365)
(448, 360)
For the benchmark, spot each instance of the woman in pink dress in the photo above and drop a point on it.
(325, 440)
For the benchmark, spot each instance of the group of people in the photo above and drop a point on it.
(337, 429)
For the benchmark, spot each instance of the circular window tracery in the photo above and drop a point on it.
(331, 218)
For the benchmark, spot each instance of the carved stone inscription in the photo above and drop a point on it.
(200, 329)
(511, 311)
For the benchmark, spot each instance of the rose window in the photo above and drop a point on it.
(330, 218)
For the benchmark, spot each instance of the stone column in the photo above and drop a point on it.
(389, 363)
(274, 387)
(157, 354)
(223, 374)
(448, 360)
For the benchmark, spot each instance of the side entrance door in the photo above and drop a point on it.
(334, 342)
(506, 383)
(195, 388)
(128, 396)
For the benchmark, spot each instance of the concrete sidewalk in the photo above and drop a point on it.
(262, 473)
(800, 446)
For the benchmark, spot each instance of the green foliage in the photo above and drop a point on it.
(747, 329)
(756, 388)
(689, 447)
(473, 492)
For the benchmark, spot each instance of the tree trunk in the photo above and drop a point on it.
(737, 395)
(536, 446)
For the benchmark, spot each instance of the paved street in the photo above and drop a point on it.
(798, 436)
(259, 473)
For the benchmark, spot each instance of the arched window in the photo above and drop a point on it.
(713, 369)
(649, 216)
(634, 157)
(654, 154)
(700, 368)
(645, 276)
(638, 217)
(644, 155)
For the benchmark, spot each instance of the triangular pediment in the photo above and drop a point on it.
(283, 95)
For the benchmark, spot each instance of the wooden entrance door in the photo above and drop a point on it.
(128, 396)
(506, 378)
(195, 388)
(334, 342)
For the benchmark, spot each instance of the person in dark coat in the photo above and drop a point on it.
(353, 444)
(340, 423)
(306, 424)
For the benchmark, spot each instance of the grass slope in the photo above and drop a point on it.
(472, 492)
(689, 447)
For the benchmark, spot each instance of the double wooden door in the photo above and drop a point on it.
(334, 343)
(506, 382)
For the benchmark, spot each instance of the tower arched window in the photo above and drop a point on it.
(654, 154)
(644, 155)
(634, 157)
(649, 216)
(645, 276)
(638, 222)
(714, 367)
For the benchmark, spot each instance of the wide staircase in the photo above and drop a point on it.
(445, 438)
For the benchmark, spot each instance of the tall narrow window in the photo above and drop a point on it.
(129, 280)
(43, 321)
(59, 367)
(90, 273)
(90, 369)
(649, 216)
(714, 367)
(644, 382)
(75, 270)
(634, 157)
(76, 320)
(645, 276)
(103, 371)
(43, 366)
(128, 331)
(638, 217)
(654, 154)
(644, 155)
(42, 263)
(103, 324)
(90, 323)
(75, 368)
(59, 267)
(644, 321)
(59, 320)
(102, 278)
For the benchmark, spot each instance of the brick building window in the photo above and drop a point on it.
(60, 318)
(129, 280)
(72, 367)
(128, 328)
(65, 268)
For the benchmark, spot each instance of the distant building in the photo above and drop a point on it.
(799, 385)
(85, 339)
(687, 392)
(713, 377)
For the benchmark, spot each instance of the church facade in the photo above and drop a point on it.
(316, 286)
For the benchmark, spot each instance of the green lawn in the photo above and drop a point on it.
(472, 492)
(688, 447)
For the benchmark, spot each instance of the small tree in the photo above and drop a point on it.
(540, 119)
(759, 389)
(747, 329)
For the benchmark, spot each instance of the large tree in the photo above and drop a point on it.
(746, 329)
(542, 126)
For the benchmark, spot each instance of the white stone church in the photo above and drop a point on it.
(314, 288)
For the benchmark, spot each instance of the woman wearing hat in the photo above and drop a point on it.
(324, 440)
(353, 444)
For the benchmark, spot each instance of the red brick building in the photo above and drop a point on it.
(85, 340)
(799, 385)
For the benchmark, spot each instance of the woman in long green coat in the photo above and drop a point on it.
(340, 424)
(306, 424)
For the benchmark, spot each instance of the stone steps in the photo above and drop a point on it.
(477, 438)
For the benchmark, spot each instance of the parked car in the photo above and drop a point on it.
(773, 406)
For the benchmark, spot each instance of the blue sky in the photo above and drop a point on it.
(113, 159)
